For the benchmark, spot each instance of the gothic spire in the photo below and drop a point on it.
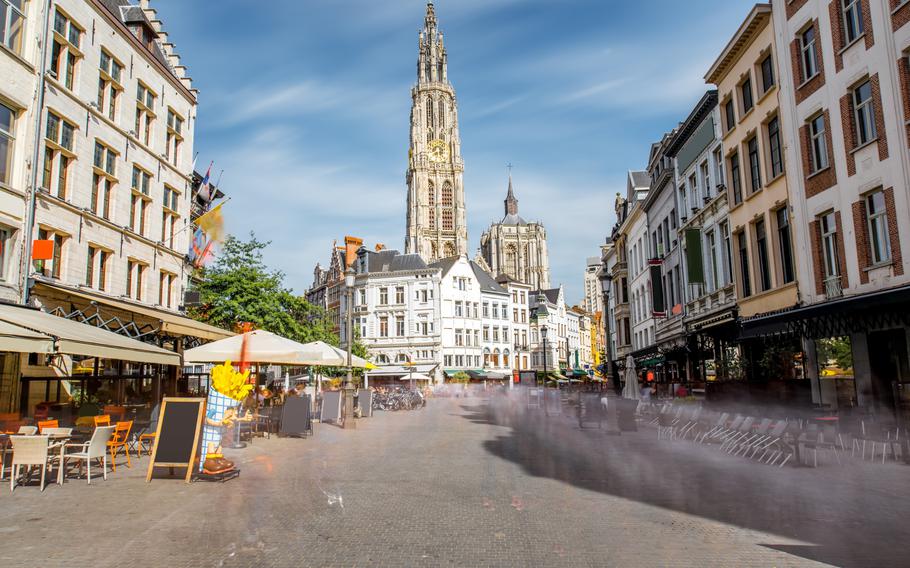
(430, 21)
(511, 202)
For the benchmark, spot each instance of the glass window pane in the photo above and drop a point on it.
(6, 119)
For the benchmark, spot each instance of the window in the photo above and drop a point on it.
(96, 268)
(361, 297)
(705, 179)
(448, 223)
(742, 245)
(105, 159)
(719, 165)
(135, 279)
(138, 216)
(712, 259)
(459, 309)
(170, 198)
(829, 245)
(818, 143)
(730, 114)
(7, 131)
(109, 86)
(399, 295)
(102, 193)
(5, 236)
(12, 22)
(764, 265)
(728, 252)
(166, 289)
(52, 267)
(853, 20)
(399, 326)
(174, 136)
(767, 74)
(383, 326)
(754, 165)
(863, 112)
(785, 242)
(877, 219)
(459, 337)
(141, 180)
(58, 155)
(777, 156)
(693, 187)
(735, 181)
(383, 296)
(745, 90)
(809, 53)
(145, 113)
(65, 49)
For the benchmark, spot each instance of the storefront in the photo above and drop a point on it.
(854, 350)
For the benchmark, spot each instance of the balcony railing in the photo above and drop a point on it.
(833, 288)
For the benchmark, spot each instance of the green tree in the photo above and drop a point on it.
(239, 287)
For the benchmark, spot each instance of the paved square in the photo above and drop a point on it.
(469, 482)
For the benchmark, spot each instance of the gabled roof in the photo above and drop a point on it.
(130, 13)
(552, 295)
(758, 18)
(392, 261)
(487, 284)
(445, 264)
(640, 179)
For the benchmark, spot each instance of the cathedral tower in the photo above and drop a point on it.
(436, 225)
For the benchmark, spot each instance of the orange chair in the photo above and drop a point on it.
(119, 441)
(47, 424)
(143, 440)
(103, 420)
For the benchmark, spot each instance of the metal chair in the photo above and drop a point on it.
(28, 430)
(119, 442)
(47, 424)
(96, 448)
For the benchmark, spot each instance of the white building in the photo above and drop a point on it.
(637, 245)
(496, 305)
(554, 319)
(593, 300)
(520, 317)
(460, 315)
(396, 313)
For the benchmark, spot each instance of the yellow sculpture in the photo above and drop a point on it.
(231, 383)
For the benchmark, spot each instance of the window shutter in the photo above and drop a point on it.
(694, 261)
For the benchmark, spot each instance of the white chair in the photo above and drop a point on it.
(58, 431)
(96, 448)
(28, 451)
(28, 430)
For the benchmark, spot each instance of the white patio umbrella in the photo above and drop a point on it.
(262, 347)
(331, 356)
(416, 377)
(631, 390)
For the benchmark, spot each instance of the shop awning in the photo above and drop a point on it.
(399, 370)
(76, 338)
(168, 322)
(841, 316)
(21, 340)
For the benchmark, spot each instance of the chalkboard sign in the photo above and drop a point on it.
(365, 400)
(177, 437)
(295, 417)
(331, 406)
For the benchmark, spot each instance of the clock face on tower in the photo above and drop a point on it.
(439, 151)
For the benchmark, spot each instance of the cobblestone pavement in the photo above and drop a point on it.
(468, 482)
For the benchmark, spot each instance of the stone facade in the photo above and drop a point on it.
(517, 248)
(436, 224)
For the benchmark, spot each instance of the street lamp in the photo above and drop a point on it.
(606, 281)
(349, 329)
(542, 314)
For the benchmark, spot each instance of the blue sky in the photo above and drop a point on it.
(305, 103)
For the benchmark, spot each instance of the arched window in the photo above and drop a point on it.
(486, 358)
(505, 358)
(448, 222)
(496, 357)
(382, 358)
(434, 251)
(432, 218)
(431, 194)
(511, 261)
(401, 358)
(448, 196)
(442, 114)
(430, 120)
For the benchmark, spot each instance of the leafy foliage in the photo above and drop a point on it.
(837, 350)
(239, 287)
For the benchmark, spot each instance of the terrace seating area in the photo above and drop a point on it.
(779, 440)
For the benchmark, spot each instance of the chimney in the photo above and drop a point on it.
(379, 247)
